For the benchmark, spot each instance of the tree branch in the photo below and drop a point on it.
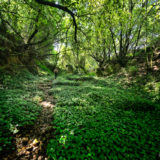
(36, 29)
(15, 31)
(65, 9)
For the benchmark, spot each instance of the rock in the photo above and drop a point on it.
(40, 157)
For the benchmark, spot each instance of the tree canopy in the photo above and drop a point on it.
(91, 33)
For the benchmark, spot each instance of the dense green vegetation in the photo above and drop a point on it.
(101, 119)
(105, 103)
(94, 118)
(17, 106)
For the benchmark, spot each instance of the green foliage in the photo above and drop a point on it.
(99, 119)
(133, 70)
(153, 88)
(139, 104)
(91, 74)
(109, 69)
(44, 68)
(17, 108)
(5, 134)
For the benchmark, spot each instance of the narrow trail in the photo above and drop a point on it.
(31, 142)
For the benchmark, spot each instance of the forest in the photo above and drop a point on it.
(79, 79)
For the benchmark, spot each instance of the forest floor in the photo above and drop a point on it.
(31, 141)
(80, 117)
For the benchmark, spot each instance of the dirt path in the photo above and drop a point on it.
(31, 142)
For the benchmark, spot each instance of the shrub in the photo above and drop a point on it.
(91, 74)
(109, 69)
(133, 70)
(117, 67)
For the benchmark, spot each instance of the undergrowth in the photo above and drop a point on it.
(103, 119)
(17, 106)
(94, 118)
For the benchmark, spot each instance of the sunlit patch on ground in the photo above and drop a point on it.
(46, 104)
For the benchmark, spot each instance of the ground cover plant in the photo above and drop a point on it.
(17, 106)
(99, 119)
